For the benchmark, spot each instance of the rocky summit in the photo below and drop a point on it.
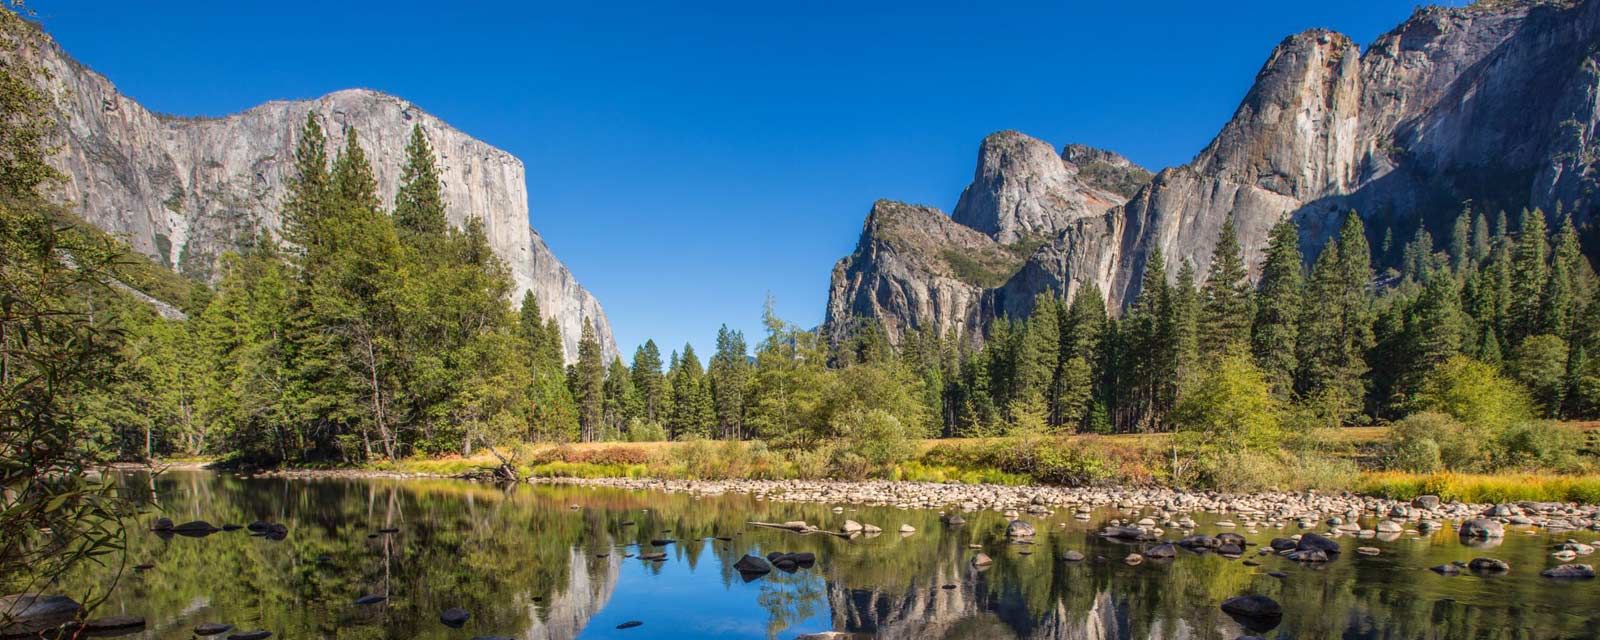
(1493, 103)
(186, 190)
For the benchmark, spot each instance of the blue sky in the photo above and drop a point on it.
(684, 159)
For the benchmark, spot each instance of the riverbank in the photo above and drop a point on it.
(1345, 460)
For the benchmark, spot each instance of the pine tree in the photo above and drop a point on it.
(1337, 327)
(648, 381)
(692, 411)
(419, 204)
(589, 386)
(1559, 311)
(1418, 256)
(1482, 240)
(553, 413)
(1182, 325)
(1529, 275)
(729, 376)
(1083, 330)
(1461, 242)
(620, 405)
(1146, 352)
(1227, 309)
(1038, 356)
(1435, 332)
(306, 201)
(1276, 327)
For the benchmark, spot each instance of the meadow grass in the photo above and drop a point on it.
(1481, 488)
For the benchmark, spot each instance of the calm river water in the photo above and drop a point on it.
(540, 562)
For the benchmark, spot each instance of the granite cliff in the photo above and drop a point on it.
(186, 190)
(1496, 103)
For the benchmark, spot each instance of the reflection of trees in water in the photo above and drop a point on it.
(526, 564)
(790, 599)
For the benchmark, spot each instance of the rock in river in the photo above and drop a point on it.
(1482, 528)
(30, 613)
(1161, 552)
(1316, 542)
(1570, 572)
(211, 628)
(1488, 565)
(371, 599)
(752, 566)
(1019, 530)
(258, 634)
(108, 624)
(455, 617)
(1256, 613)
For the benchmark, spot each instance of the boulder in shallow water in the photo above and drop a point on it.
(1482, 528)
(211, 628)
(752, 566)
(982, 560)
(112, 625)
(1488, 565)
(32, 613)
(370, 599)
(1019, 530)
(195, 529)
(1256, 613)
(1569, 572)
(657, 556)
(258, 634)
(1308, 555)
(1071, 556)
(1161, 552)
(455, 617)
(1316, 542)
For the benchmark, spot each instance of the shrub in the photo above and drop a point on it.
(1230, 405)
(1415, 455)
(1458, 445)
(876, 436)
(1474, 393)
(1535, 445)
(641, 431)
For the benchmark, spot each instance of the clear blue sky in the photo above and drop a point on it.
(686, 158)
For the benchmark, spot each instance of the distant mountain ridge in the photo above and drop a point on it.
(1496, 103)
(186, 190)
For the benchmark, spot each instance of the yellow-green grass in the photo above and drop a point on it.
(1482, 488)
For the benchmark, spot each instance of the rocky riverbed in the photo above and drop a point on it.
(1341, 512)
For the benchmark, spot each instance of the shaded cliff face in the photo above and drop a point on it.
(185, 191)
(915, 267)
(1495, 103)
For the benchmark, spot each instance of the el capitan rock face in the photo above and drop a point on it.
(186, 190)
(1495, 103)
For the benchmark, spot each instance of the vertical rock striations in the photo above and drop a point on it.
(186, 190)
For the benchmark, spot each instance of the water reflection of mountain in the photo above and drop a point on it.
(590, 583)
(937, 613)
